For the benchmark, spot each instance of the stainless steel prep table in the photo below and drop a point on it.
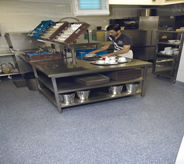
(53, 78)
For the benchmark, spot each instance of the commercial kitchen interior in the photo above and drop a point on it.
(126, 130)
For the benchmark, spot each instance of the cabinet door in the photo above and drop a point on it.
(136, 2)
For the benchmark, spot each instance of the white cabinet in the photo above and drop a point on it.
(144, 2)
(136, 2)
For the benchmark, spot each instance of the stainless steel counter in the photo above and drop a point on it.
(54, 78)
(67, 67)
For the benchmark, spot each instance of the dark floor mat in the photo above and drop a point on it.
(20, 83)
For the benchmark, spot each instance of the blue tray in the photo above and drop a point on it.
(83, 52)
(41, 28)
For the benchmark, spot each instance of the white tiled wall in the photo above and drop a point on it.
(25, 15)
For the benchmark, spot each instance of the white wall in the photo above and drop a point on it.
(25, 15)
(180, 75)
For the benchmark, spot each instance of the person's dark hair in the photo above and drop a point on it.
(114, 27)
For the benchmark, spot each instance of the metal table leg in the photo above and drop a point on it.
(144, 80)
(56, 94)
(36, 75)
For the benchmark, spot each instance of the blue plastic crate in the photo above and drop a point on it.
(83, 52)
(41, 28)
(101, 53)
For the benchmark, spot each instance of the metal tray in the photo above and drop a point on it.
(94, 79)
(48, 56)
(91, 58)
(125, 74)
(41, 28)
(107, 64)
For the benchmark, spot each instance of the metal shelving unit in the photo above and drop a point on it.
(167, 65)
(7, 54)
(54, 81)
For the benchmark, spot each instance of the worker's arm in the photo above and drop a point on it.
(125, 49)
(100, 49)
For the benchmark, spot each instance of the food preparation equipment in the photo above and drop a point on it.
(19, 43)
(59, 80)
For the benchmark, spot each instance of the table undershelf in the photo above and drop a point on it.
(66, 85)
(94, 97)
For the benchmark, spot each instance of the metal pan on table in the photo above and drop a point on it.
(109, 64)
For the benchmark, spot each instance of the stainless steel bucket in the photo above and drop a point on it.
(83, 95)
(68, 98)
(115, 90)
(131, 88)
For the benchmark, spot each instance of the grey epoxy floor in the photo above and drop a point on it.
(130, 130)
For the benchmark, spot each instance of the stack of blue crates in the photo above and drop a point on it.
(86, 51)
(41, 28)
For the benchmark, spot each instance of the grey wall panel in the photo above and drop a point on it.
(142, 53)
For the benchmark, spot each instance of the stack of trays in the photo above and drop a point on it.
(71, 33)
(41, 29)
(40, 56)
(54, 30)
(125, 74)
(65, 32)
(94, 79)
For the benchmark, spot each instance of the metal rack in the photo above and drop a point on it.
(8, 54)
(54, 78)
(167, 65)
